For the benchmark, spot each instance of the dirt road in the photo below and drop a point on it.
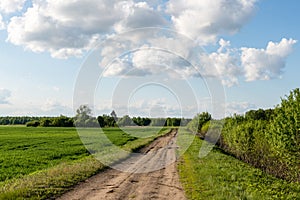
(151, 174)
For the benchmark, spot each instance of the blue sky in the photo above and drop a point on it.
(252, 47)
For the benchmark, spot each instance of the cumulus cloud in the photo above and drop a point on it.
(61, 27)
(67, 28)
(4, 96)
(140, 15)
(70, 28)
(2, 24)
(224, 64)
(204, 20)
(53, 107)
(10, 6)
(227, 63)
(239, 107)
(265, 64)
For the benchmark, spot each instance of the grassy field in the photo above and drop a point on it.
(220, 176)
(43, 162)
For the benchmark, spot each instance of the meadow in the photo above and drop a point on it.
(44, 162)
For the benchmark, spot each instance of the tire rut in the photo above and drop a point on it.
(160, 182)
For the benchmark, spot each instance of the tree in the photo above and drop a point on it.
(285, 125)
(84, 117)
(146, 121)
(114, 115)
(141, 121)
(158, 122)
(125, 121)
(101, 121)
(198, 121)
(33, 124)
(45, 122)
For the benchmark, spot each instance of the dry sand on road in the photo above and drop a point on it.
(113, 184)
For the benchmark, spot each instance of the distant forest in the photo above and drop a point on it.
(84, 118)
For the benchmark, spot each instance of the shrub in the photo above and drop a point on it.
(33, 124)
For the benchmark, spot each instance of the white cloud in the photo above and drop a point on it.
(10, 6)
(239, 108)
(53, 107)
(67, 28)
(177, 61)
(223, 64)
(139, 15)
(265, 64)
(4, 96)
(61, 27)
(206, 19)
(180, 61)
(2, 24)
(159, 107)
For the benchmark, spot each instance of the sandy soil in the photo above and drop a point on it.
(151, 174)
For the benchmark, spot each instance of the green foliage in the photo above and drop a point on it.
(106, 121)
(285, 127)
(220, 176)
(169, 121)
(125, 121)
(173, 121)
(198, 121)
(158, 122)
(141, 121)
(61, 121)
(268, 139)
(17, 120)
(84, 117)
(260, 114)
(34, 123)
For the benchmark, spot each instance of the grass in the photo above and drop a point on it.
(26, 150)
(39, 163)
(221, 176)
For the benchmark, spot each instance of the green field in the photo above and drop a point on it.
(220, 176)
(28, 155)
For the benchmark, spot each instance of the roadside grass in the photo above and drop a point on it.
(50, 182)
(221, 176)
(41, 163)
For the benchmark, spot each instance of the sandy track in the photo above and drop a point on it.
(160, 182)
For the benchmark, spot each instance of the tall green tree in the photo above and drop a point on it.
(84, 117)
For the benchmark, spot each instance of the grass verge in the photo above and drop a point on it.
(220, 176)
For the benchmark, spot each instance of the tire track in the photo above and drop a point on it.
(160, 182)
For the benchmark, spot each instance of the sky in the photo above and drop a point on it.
(153, 58)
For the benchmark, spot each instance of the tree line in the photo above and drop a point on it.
(17, 120)
(267, 139)
(84, 118)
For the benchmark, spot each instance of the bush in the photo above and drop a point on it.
(268, 139)
(33, 124)
(198, 121)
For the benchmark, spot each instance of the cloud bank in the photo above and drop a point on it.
(206, 20)
(10, 6)
(71, 28)
(2, 24)
(265, 64)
